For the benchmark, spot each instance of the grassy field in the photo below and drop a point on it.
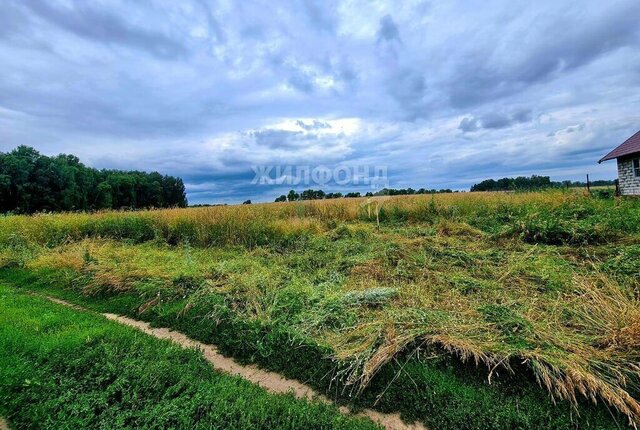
(465, 311)
(61, 368)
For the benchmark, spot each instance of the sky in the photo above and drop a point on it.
(439, 94)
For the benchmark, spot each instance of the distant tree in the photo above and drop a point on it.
(533, 182)
(246, 202)
(306, 195)
(319, 194)
(104, 198)
(282, 198)
(312, 195)
(5, 192)
(293, 196)
(31, 182)
(173, 192)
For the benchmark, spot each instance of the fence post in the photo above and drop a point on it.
(588, 185)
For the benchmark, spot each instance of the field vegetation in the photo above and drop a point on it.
(483, 310)
(60, 368)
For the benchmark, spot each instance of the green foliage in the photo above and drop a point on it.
(603, 193)
(293, 196)
(319, 194)
(500, 277)
(31, 182)
(431, 386)
(60, 368)
(508, 321)
(550, 230)
(520, 183)
(534, 182)
(624, 264)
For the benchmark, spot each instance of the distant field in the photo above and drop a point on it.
(465, 311)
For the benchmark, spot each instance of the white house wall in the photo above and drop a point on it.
(629, 183)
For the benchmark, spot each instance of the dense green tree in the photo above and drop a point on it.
(312, 195)
(104, 196)
(31, 182)
(293, 196)
(533, 182)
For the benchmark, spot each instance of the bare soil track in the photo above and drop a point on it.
(270, 381)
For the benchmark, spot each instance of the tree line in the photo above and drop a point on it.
(310, 194)
(534, 182)
(31, 182)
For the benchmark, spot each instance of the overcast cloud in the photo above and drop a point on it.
(442, 93)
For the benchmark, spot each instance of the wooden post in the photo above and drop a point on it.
(588, 185)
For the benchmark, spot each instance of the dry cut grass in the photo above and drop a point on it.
(498, 279)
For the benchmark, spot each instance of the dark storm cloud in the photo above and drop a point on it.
(12, 20)
(570, 43)
(495, 120)
(408, 86)
(301, 81)
(279, 138)
(84, 20)
(320, 13)
(469, 124)
(556, 44)
(213, 24)
(522, 115)
(206, 90)
(388, 29)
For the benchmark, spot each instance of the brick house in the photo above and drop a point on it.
(628, 156)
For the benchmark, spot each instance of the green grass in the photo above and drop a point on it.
(534, 292)
(431, 386)
(61, 368)
(552, 217)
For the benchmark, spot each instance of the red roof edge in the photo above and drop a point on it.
(609, 156)
(628, 147)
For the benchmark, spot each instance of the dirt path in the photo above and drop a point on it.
(270, 381)
(3, 424)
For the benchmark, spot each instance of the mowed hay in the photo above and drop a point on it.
(505, 280)
(593, 353)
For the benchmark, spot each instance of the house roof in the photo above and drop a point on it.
(630, 146)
